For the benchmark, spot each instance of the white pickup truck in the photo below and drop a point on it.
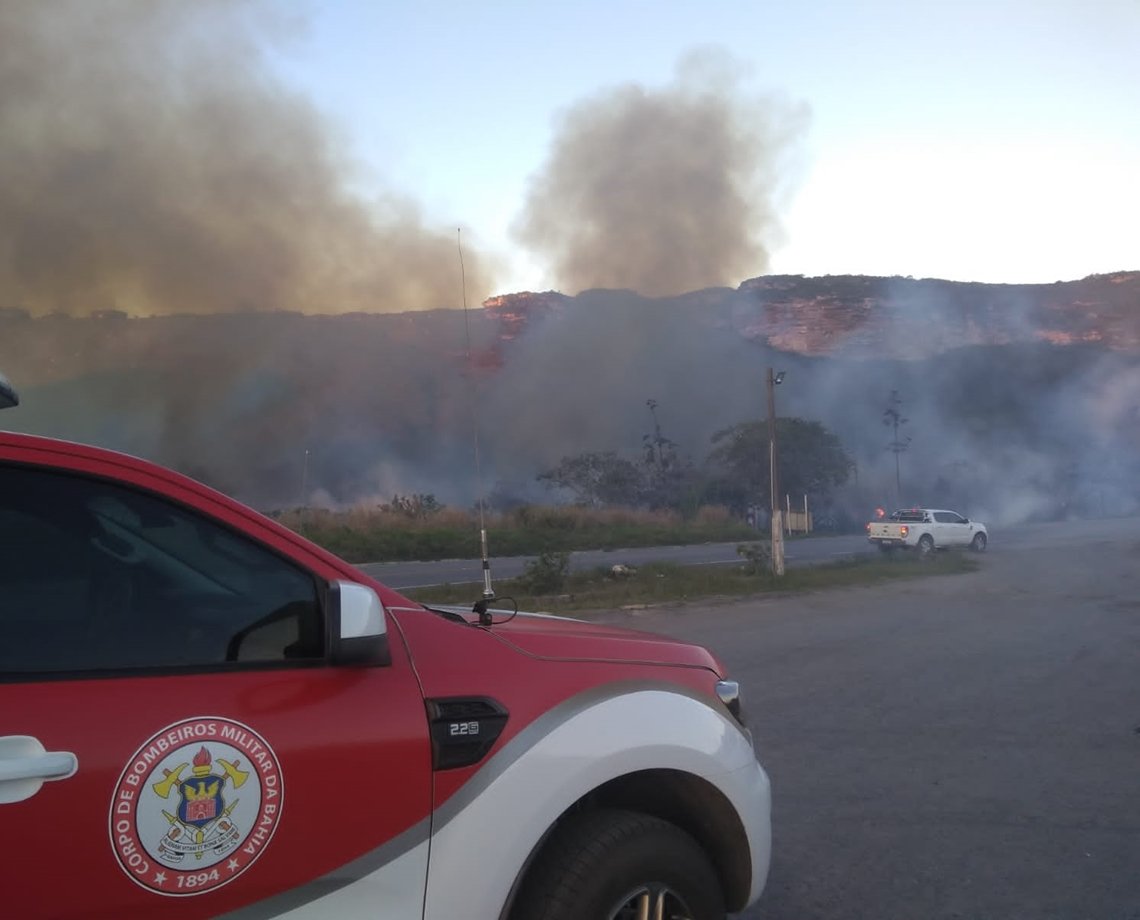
(927, 529)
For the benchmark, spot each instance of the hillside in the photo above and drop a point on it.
(1034, 385)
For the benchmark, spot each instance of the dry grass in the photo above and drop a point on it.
(377, 534)
(563, 516)
(362, 520)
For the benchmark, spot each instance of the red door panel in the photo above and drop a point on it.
(198, 794)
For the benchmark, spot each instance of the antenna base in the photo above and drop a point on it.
(486, 618)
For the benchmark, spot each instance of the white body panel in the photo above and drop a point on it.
(393, 891)
(473, 867)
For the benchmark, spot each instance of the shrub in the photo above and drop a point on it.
(413, 506)
(757, 558)
(546, 574)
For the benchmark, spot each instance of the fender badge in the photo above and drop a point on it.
(195, 806)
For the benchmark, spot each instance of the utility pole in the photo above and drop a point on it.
(773, 478)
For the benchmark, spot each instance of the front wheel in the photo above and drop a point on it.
(620, 865)
(978, 544)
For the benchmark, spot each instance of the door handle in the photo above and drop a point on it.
(25, 766)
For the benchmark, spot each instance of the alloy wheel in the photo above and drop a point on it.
(652, 902)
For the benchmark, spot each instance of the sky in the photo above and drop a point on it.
(974, 141)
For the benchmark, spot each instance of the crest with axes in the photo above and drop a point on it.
(201, 820)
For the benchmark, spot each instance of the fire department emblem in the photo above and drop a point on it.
(196, 805)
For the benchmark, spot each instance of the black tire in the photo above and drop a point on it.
(925, 545)
(599, 863)
(978, 544)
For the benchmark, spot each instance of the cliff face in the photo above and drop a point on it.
(861, 317)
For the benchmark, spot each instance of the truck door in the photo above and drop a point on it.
(152, 764)
(953, 530)
(941, 530)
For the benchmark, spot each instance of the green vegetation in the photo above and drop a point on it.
(546, 574)
(405, 530)
(812, 461)
(663, 583)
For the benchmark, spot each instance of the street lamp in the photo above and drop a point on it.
(774, 380)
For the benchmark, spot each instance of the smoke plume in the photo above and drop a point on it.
(152, 164)
(662, 190)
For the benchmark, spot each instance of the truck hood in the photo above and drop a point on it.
(564, 639)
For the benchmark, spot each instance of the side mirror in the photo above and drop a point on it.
(358, 626)
(8, 397)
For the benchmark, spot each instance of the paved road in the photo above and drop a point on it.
(956, 747)
(401, 575)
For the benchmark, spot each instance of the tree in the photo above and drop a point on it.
(811, 462)
(668, 481)
(661, 480)
(893, 418)
(420, 505)
(660, 451)
(596, 478)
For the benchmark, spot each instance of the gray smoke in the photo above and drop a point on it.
(152, 164)
(1003, 425)
(662, 190)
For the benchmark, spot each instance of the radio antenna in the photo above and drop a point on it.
(488, 591)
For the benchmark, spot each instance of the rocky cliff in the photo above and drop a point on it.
(860, 316)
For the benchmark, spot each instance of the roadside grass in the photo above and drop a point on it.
(667, 583)
(384, 535)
